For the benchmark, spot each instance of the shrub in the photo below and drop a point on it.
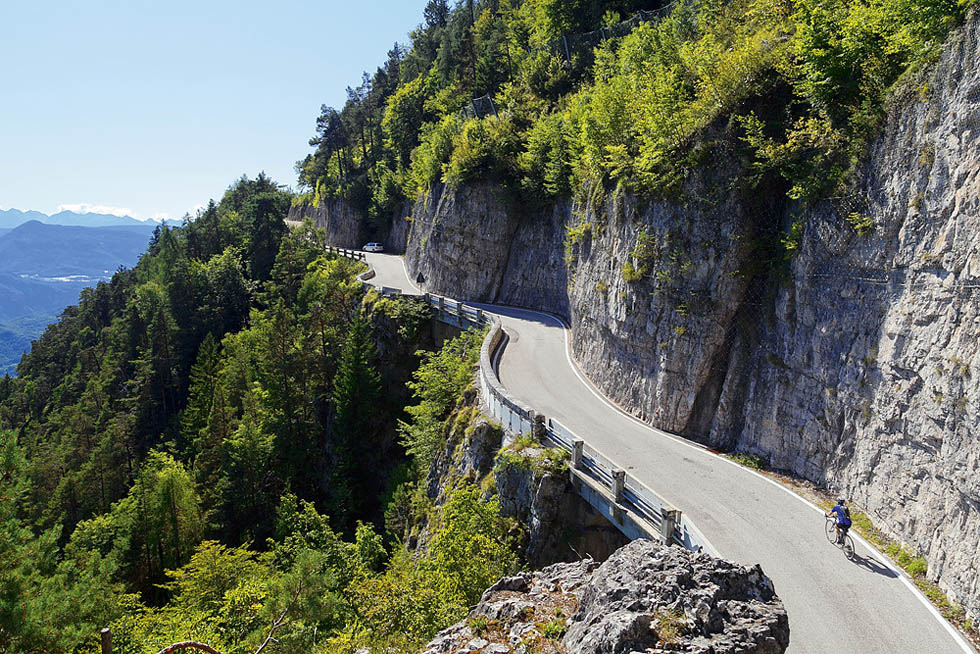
(749, 460)
(430, 158)
(487, 148)
(554, 629)
(544, 164)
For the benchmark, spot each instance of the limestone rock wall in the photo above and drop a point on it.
(338, 218)
(472, 243)
(460, 241)
(345, 225)
(397, 238)
(654, 292)
(536, 275)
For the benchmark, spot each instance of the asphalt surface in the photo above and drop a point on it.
(864, 606)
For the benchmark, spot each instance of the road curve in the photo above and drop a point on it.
(834, 605)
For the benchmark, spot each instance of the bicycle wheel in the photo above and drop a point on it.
(831, 531)
(848, 547)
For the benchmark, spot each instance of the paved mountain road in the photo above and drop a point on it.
(834, 605)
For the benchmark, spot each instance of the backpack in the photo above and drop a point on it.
(847, 517)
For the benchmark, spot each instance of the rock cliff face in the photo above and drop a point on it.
(471, 243)
(460, 239)
(854, 365)
(345, 225)
(645, 597)
(866, 376)
(340, 220)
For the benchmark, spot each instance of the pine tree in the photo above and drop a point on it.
(357, 389)
(200, 397)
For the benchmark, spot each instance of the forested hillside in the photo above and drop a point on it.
(172, 448)
(551, 98)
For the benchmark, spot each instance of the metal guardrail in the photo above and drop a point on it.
(637, 511)
(344, 252)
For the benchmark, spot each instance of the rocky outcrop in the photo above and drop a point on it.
(460, 240)
(533, 486)
(645, 597)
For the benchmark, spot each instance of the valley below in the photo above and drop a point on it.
(44, 267)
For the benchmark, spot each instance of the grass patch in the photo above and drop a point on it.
(748, 460)
(533, 457)
(862, 223)
(479, 624)
(669, 626)
(553, 629)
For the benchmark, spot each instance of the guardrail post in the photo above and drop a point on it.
(106, 634)
(619, 483)
(459, 314)
(670, 518)
(578, 449)
(539, 430)
(479, 316)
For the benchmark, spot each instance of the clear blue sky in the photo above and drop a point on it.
(157, 106)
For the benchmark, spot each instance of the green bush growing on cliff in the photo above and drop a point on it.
(437, 385)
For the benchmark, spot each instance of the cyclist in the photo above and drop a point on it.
(843, 522)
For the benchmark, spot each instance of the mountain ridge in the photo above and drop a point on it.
(10, 218)
(39, 249)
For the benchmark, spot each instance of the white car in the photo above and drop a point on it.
(373, 247)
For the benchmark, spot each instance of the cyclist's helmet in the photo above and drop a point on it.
(840, 500)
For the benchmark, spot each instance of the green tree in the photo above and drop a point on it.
(265, 215)
(172, 508)
(249, 478)
(200, 395)
(437, 385)
(357, 391)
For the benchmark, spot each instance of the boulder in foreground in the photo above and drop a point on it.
(645, 598)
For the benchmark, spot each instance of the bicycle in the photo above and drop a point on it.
(847, 543)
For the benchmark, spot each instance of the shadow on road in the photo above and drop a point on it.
(526, 315)
(873, 565)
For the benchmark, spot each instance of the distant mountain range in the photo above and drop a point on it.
(55, 252)
(45, 265)
(10, 218)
